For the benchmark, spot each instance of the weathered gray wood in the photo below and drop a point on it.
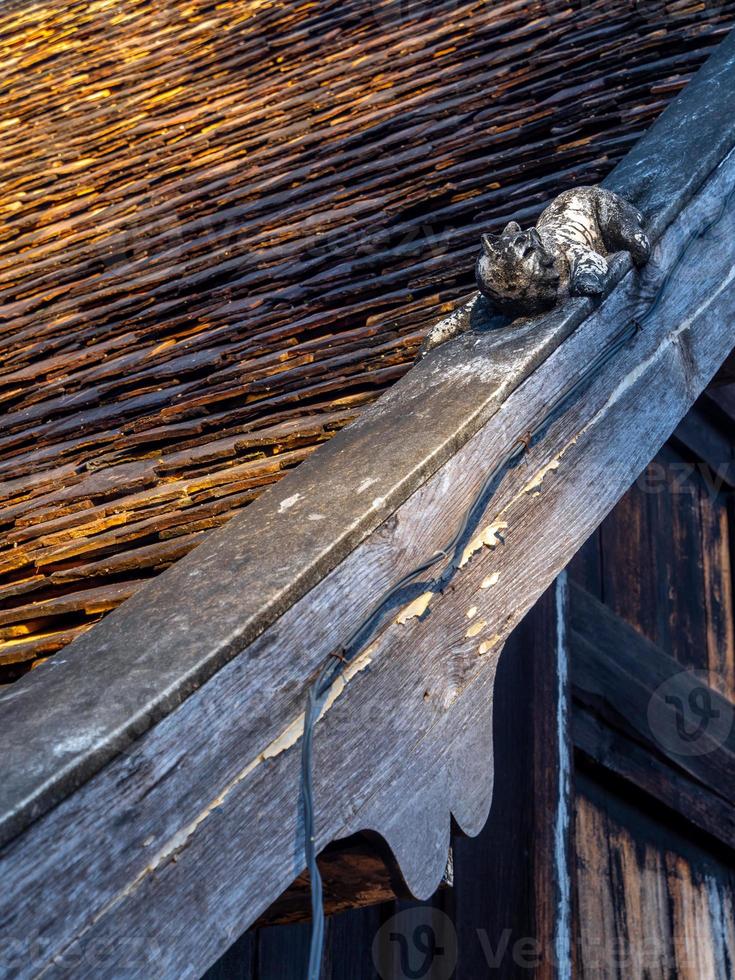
(177, 632)
(205, 821)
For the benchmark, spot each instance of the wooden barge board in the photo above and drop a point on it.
(202, 808)
(256, 278)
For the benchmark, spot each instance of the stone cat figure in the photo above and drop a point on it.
(523, 273)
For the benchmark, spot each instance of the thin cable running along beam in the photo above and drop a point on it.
(410, 585)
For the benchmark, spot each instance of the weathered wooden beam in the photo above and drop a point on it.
(622, 721)
(193, 786)
(708, 445)
(357, 482)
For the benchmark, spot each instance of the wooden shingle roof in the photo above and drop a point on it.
(226, 227)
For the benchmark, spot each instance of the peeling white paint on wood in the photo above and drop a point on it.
(538, 479)
(415, 609)
(489, 537)
(487, 645)
(476, 628)
(286, 740)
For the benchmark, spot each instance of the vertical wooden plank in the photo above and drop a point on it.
(718, 592)
(666, 567)
(685, 593)
(692, 925)
(238, 963)
(585, 569)
(625, 926)
(512, 895)
(636, 557)
(642, 915)
(722, 914)
(349, 942)
(655, 950)
(651, 902)
(493, 873)
(283, 952)
(595, 907)
(552, 773)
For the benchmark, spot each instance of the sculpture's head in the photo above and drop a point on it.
(516, 272)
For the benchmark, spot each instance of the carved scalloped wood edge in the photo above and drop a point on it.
(668, 368)
(198, 816)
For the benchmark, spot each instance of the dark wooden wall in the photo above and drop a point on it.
(651, 834)
(655, 813)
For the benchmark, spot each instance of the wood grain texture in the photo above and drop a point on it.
(514, 847)
(616, 675)
(551, 770)
(496, 926)
(662, 561)
(666, 568)
(511, 900)
(404, 746)
(225, 229)
(650, 903)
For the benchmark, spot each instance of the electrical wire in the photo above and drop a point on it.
(410, 586)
